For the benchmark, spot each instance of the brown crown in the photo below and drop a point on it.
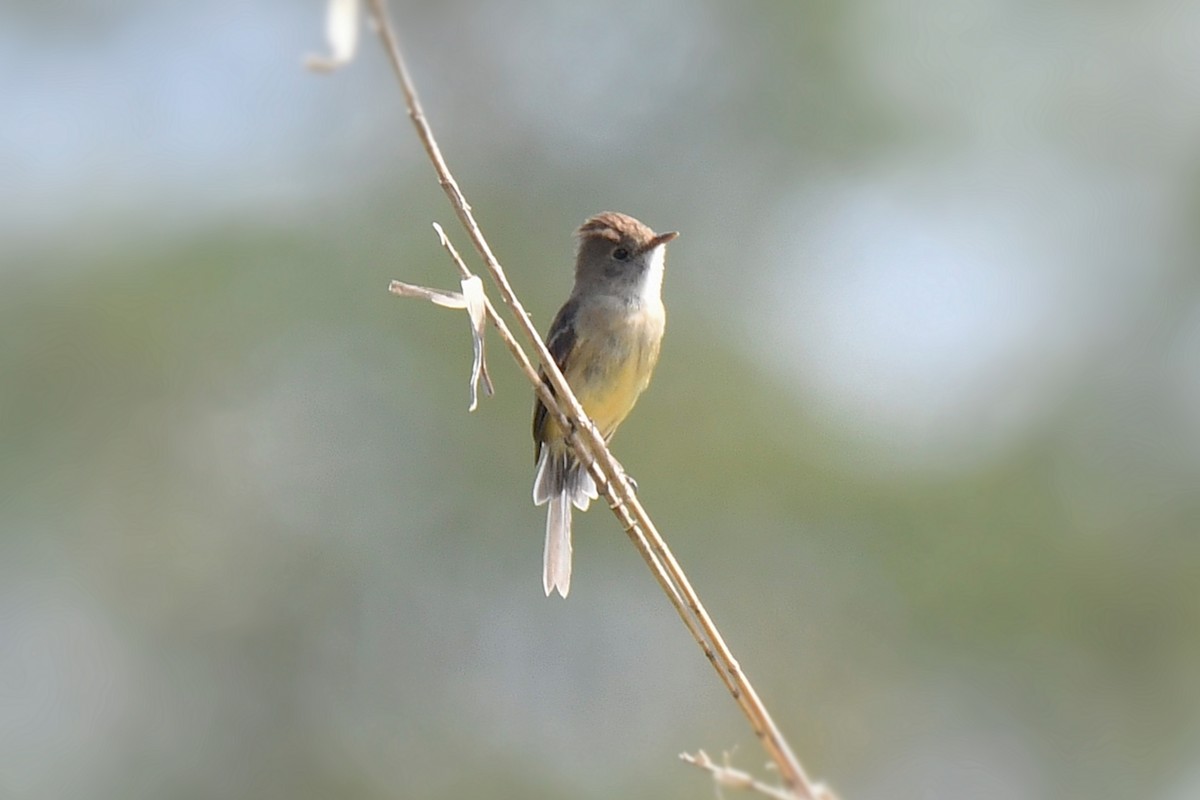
(615, 227)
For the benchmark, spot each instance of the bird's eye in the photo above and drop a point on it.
(621, 254)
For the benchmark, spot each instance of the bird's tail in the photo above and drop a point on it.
(561, 482)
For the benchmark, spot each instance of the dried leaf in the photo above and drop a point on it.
(342, 26)
(444, 299)
(475, 302)
(476, 305)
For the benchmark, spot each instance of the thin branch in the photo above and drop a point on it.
(727, 777)
(591, 448)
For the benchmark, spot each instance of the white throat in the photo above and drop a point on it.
(652, 280)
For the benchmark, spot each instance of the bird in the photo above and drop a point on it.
(605, 339)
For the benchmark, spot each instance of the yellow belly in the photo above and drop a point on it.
(612, 363)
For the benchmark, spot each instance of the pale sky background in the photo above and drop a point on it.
(926, 430)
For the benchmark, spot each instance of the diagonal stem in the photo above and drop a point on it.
(593, 451)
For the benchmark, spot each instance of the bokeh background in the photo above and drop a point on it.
(925, 433)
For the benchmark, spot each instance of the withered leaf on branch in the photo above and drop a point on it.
(472, 299)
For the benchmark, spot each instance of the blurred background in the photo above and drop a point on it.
(925, 432)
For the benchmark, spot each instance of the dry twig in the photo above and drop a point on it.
(726, 776)
(592, 450)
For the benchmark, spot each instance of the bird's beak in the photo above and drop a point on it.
(659, 240)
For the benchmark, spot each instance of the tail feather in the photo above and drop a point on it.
(556, 566)
(561, 482)
(582, 488)
(546, 477)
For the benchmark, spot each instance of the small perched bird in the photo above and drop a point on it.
(605, 339)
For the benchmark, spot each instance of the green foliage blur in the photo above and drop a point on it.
(925, 433)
